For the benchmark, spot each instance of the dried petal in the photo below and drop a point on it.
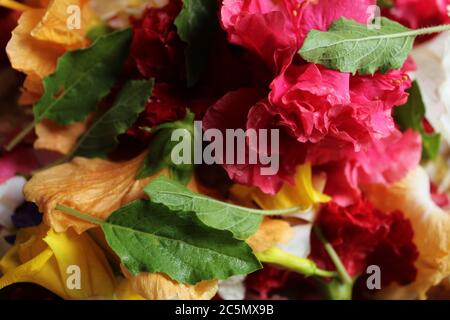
(94, 186)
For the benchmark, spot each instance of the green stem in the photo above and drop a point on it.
(77, 214)
(435, 29)
(343, 274)
(22, 134)
(301, 265)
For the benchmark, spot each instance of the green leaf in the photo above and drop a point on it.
(197, 24)
(82, 78)
(352, 47)
(160, 150)
(410, 116)
(148, 237)
(101, 138)
(242, 222)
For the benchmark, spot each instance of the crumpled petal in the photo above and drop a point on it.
(94, 186)
(431, 231)
(28, 54)
(158, 286)
(42, 256)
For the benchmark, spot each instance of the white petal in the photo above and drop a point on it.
(232, 288)
(433, 75)
(300, 244)
(11, 196)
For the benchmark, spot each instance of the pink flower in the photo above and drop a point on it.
(316, 104)
(385, 161)
(247, 108)
(275, 30)
(419, 13)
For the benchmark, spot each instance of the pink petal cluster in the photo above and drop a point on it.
(341, 123)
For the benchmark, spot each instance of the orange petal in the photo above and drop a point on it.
(53, 26)
(93, 186)
(158, 286)
(270, 233)
(55, 137)
(32, 90)
(30, 55)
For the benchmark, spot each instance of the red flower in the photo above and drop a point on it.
(419, 13)
(264, 281)
(363, 236)
(21, 160)
(156, 47)
(165, 105)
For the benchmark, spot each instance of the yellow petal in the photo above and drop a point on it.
(270, 233)
(43, 257)
(303, 193)
(431, 231)
(53, 27)
(158, 286)
(55, 137)
(28, 54)
(93, 186)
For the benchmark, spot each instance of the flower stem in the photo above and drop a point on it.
(343, 274)
(301, 265)
(17, 139)
(77, 214)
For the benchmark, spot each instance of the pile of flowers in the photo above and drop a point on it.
(98, 94)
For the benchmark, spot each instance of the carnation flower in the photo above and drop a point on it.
(362, 235)
(156, 47)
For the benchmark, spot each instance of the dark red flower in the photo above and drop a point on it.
(156, 47)
(165, 105)
(8, 21)
(363, 236)
(263, 281)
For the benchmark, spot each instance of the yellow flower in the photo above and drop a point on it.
(304, 193)
(55, 260)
